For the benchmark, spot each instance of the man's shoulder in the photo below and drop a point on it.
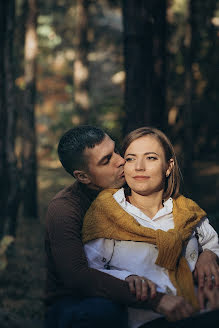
(68, 192)
(73, 200)
(66, 204)
(68, 196)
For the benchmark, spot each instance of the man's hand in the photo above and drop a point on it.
(142, 287)
(206, 268)
(210, 296)
(174, 308)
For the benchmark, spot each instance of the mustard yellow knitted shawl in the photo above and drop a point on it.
(106, 219)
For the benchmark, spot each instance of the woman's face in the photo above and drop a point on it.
(146, 168)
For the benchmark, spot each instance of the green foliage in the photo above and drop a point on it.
(205, 98)
(56, 34)
(46, 33)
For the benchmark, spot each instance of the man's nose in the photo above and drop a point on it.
(120, 160)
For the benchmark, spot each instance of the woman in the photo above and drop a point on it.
(150, 229)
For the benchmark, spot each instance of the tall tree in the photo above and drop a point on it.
(9, 194)
(189, 52)
(81, 66)
(29, 160)
(206, 45)
(144, 52)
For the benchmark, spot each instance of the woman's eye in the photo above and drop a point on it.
(129, 159)
(152, 158)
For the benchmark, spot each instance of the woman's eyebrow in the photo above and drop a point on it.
(147, 153)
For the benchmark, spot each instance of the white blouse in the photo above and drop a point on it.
(124, 258)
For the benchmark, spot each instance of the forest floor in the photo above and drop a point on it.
(22, 283)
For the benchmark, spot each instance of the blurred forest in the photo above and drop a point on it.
(117, 64)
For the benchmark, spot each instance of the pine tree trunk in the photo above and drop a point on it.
(29, 160)
(9, 193)
(3, 179)
(189, 96)
(81, 65)
(144, 52)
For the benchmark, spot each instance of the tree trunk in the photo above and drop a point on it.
(208, 60)
(29, 160)
(3, 179)
(9, 193)
(189, 44)
(81, 66)
(144, 52)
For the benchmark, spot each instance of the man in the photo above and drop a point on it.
(77, 295)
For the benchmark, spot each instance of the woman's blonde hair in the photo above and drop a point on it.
(172, 184)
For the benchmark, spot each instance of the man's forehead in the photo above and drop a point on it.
(101, 150)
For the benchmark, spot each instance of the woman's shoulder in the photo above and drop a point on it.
(184, 200)
(107, 193)
(186, 203)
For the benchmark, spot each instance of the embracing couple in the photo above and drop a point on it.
(123, 247)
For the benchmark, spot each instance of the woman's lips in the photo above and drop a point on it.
(141, 177)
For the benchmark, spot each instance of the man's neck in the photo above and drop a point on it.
(89, 190)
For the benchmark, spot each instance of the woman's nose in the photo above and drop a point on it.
(140, 165)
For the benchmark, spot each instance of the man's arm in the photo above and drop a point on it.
(64, 232)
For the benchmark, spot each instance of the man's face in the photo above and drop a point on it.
(105, 165)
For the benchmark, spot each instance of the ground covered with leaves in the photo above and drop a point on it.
(22, 283)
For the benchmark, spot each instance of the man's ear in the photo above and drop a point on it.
(170, 167)
(82, 176)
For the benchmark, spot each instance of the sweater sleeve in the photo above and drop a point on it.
(70, 263)
(207, 236)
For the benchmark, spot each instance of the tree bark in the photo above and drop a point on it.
(189, 94)
(144, 53)
(3, 179)
(29, 160)
(9, 194)
(81, 65)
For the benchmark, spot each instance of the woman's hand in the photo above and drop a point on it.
(142, 287)
(209, 296)
(174, 308)
(207, 268)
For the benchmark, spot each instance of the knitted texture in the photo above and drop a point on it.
(106, 219)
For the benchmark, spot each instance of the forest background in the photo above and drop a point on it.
(111, 63)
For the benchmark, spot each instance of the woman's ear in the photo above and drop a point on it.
(170, 167)
(81, 176)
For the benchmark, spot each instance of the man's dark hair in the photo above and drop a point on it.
(73, 143)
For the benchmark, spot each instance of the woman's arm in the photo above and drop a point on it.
(207, 264)
(99, 253)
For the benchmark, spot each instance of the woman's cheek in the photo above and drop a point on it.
(126, 169)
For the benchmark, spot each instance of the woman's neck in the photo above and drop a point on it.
(149, 205)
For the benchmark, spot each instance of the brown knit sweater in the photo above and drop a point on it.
(67, 269)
